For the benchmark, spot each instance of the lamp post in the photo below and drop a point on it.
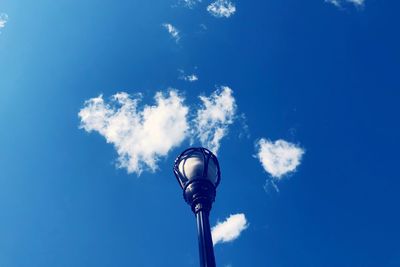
(198, 173)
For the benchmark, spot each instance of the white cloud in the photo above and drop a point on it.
(339, 3)
(189, 78)
(174, 32)
(334, 2)
(357, 2)
(214, 117)
(3, 20)
(222, 8)
(190, 3)
(279, 158)
(140, 137)
(230, 229)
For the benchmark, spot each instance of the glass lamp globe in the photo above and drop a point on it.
(195, 164)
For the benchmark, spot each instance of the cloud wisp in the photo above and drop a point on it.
(357, 2)
(190, 78)
(340, 3)
(222, 8)
(279, 158)
(189, 3)
(3, 20)
(139, 137)
(214, 117)
(187, 77)
(230, 229)
(174, 32)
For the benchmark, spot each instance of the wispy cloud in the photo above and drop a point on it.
(357, 2)
(203, 26)
(340, 3)
(187, 77)
(279, 158)
(222, 8)
(230, 229)
(214, 117)
(174, 32)
(190, 78)
(140, 137)
(189, 3)
(3, 20)
(334, 2)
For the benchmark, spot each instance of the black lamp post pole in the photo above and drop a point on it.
(200, 194)
(206, 250)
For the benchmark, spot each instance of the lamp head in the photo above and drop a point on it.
(198, 173)
(197, 163)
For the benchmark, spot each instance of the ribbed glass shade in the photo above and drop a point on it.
(197, 163)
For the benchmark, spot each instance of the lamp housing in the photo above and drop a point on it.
(198, 173)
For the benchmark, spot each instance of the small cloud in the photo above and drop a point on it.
(230, 229)
(245, 131)
(203, 26)
(188, 78)
(357, 2)
(214, 117)
(279, 158)
(172, 31)
(189, 3)
(340, 3)
(140, 137)
(334, 2)
(270, 186)
(3, 20)
(222, 8)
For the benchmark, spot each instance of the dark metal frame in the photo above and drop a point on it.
(207, 155)
(200, 193)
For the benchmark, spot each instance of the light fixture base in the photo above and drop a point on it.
(199, 194)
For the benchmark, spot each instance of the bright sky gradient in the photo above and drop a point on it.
(299, 99)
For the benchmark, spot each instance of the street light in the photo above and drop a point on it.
(197, 171)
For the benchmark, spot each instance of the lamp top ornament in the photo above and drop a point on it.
(197, 164)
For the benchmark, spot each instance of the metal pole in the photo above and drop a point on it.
(206, 248)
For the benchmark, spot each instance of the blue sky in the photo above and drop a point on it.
(320, 77)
